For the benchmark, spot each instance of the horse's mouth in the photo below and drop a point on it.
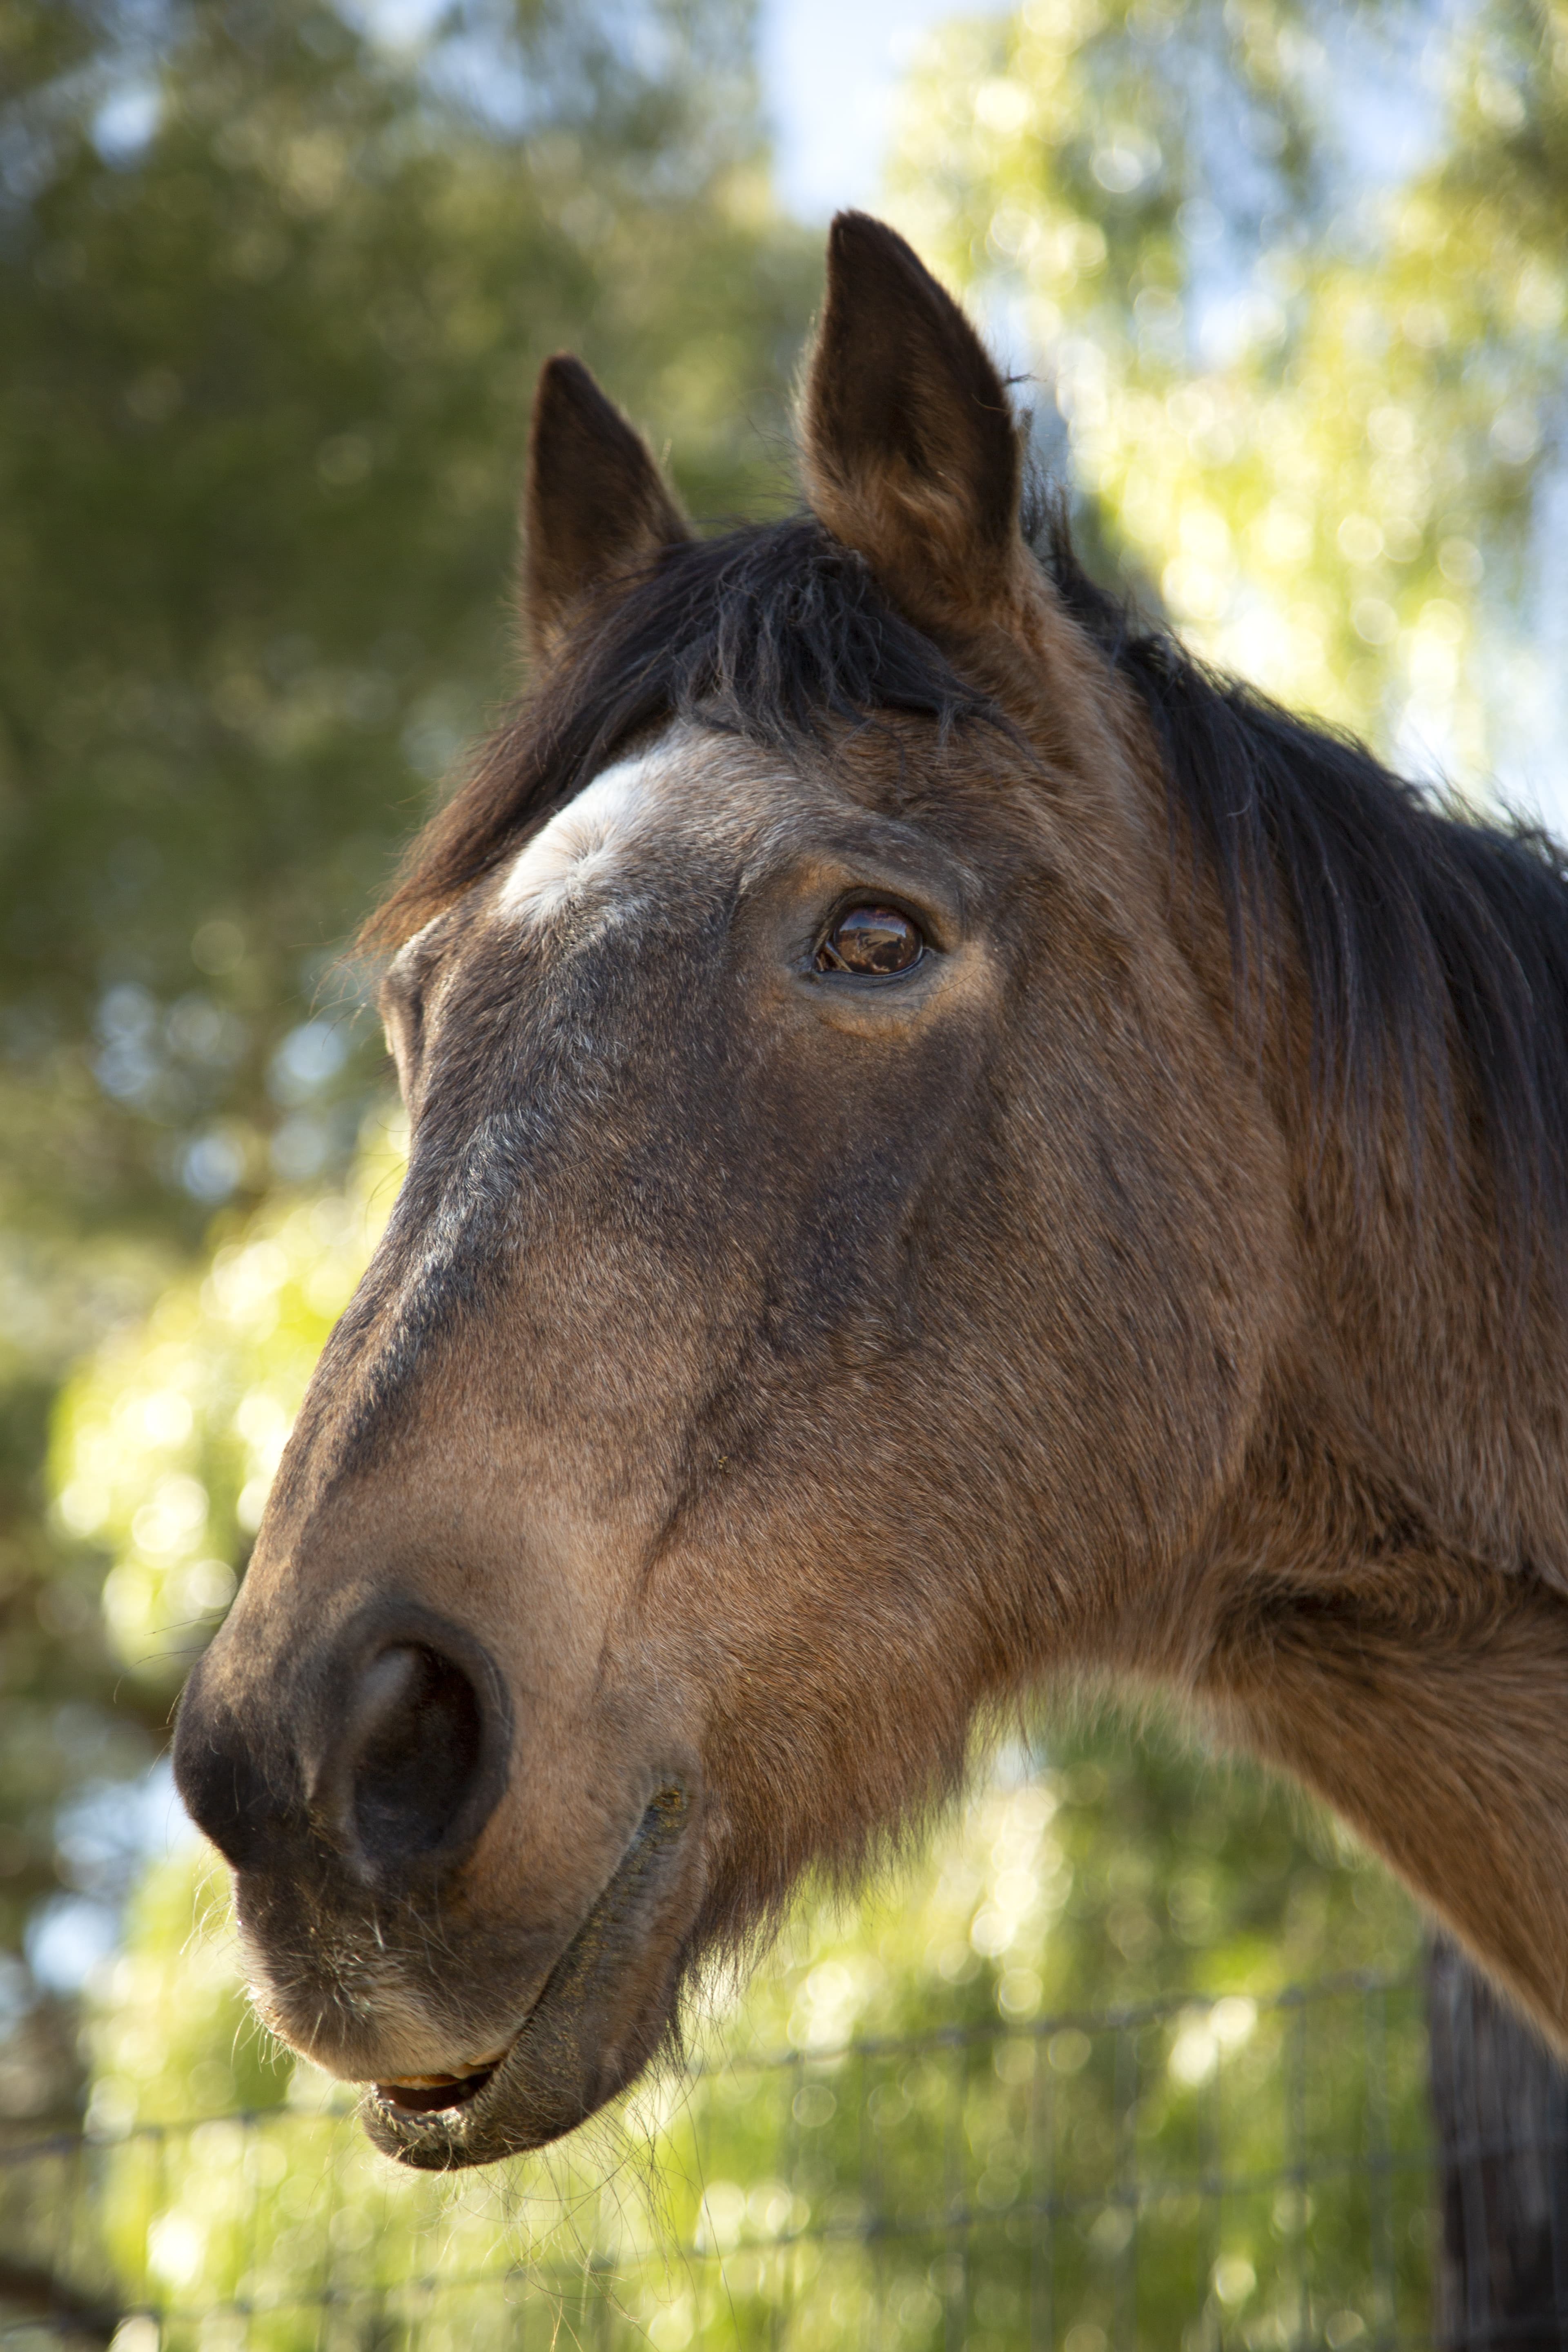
(427, 2095)
(595, 2025)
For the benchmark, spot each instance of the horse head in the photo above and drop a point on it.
(844, 1269)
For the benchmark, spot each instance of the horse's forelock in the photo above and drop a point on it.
(774, 633)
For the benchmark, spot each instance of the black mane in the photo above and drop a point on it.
(1429, 939)
(1429, 942)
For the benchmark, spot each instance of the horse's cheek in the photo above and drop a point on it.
(1155, 1229)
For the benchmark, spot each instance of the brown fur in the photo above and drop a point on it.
(768, 1376)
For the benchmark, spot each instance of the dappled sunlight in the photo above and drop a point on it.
(168, 1438)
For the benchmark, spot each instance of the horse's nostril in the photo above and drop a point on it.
(412, 1758)
(387, 1749)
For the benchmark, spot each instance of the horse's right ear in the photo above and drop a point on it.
(594, 507)
(909, 445)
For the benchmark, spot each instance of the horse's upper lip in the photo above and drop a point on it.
(562, 2063)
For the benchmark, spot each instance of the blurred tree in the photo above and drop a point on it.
(273, 290)
(273, 308)
(1296, 276)
(168, 1437)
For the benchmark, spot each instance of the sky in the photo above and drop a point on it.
(829, 69)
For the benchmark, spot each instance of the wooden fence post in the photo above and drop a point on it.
(1499, 2103)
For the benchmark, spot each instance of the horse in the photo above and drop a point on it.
(952, 1147)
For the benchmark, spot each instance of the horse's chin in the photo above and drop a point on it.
(595, 2025)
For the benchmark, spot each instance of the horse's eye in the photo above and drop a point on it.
(874, 940)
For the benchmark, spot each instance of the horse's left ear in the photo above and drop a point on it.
(594, 506)
(909, 445)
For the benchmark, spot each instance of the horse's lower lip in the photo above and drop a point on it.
(566, 2058)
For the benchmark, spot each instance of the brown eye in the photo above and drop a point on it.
(873, 940)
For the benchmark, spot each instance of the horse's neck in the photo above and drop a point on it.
(1382, 1607)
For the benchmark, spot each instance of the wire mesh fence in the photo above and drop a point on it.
(1198, 2174)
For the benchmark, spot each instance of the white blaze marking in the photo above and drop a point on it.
(581, 842)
